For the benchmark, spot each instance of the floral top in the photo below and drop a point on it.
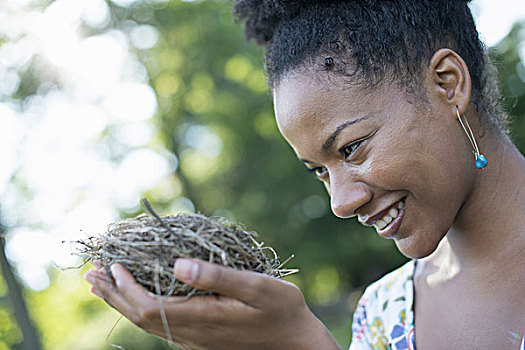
(384, 317)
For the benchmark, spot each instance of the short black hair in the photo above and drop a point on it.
(370, 41)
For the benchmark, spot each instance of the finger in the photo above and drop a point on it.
(246, 286)
(109, 293)
(92, 275)
(95, 291)
(134, 302)
(128, 287)
(97, 263)
(218, 310)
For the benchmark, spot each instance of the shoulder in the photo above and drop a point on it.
(384, 313)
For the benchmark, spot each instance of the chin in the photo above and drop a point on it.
(415, 248)
(419, 243)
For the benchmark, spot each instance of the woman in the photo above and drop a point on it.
(385, 102)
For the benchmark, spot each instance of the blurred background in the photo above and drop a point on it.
(104, 102)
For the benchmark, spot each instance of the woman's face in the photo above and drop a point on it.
(399, 165)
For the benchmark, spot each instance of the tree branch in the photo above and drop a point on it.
(31, 340)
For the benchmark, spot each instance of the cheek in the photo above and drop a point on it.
(427, 169)
(437, 181)
(417, 156)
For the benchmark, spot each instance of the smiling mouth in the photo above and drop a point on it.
(388, 222)
(390, 215)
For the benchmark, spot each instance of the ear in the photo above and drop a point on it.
(450, 78)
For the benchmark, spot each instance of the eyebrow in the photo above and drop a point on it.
(331, 139)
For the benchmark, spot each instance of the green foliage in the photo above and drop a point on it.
(9, 333)
(67, 301)
(511, 71)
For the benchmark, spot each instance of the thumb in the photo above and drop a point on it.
(246, 286)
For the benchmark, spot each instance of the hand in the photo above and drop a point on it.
(252, 311)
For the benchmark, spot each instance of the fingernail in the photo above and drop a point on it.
(89, 277)
(186, 270)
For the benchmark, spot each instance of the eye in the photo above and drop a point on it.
(317, 171)
(350, 149)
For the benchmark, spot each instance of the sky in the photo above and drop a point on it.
(86, 150)
(494, 18)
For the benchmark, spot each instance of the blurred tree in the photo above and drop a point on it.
(30, 339)
(511, 70)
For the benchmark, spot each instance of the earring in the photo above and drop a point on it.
(481, 161)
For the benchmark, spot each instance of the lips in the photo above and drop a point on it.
(388, 215)
(388, 221)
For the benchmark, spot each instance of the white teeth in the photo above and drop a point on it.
(380, 224)
(388, 217)
(393, 212)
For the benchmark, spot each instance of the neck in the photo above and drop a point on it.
(489, 227)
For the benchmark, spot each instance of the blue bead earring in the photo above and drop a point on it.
(481, 161)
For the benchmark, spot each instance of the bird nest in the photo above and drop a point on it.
(149, 245)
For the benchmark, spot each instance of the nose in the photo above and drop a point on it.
(347, 197)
